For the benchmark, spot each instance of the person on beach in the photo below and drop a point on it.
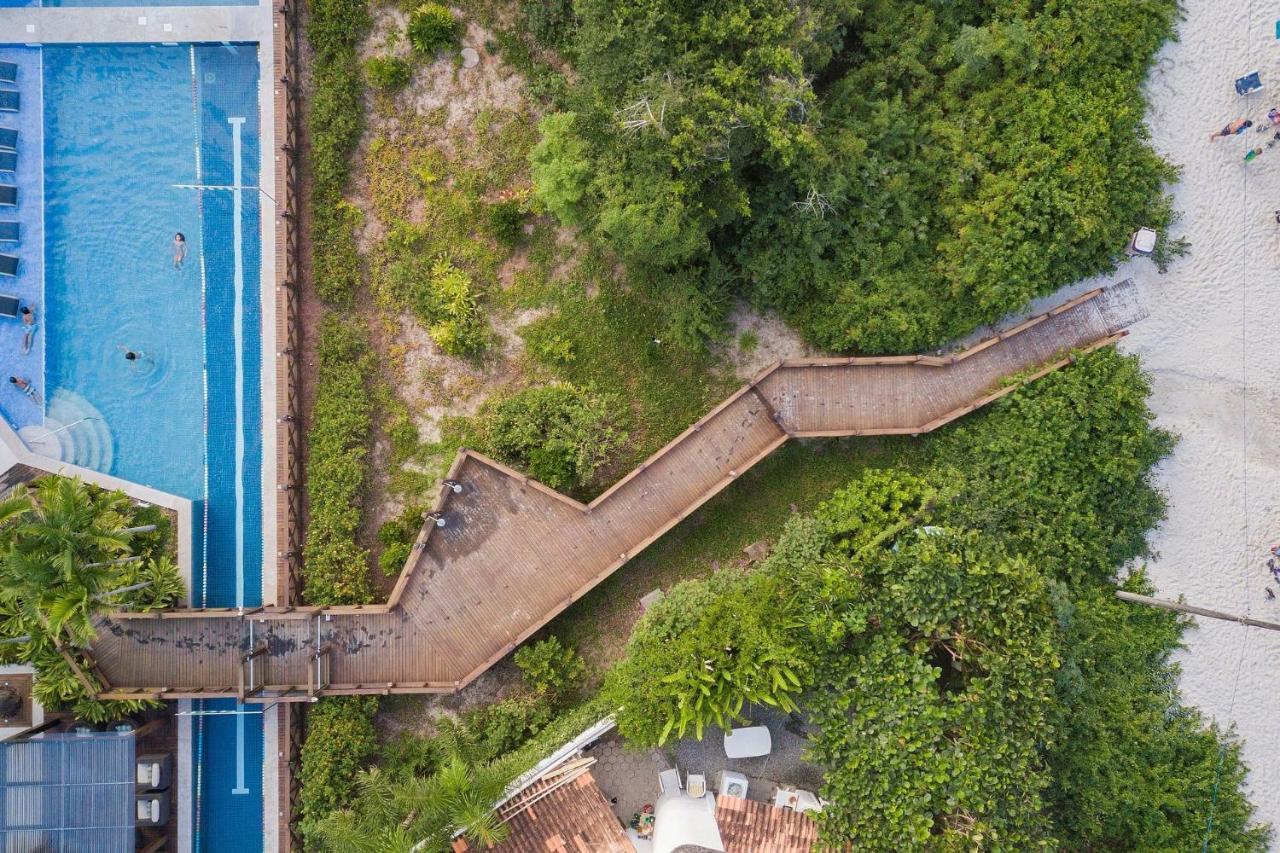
(179, 250)
(1273, 116)
(29, 326)
(1278, 216)
(1252, 154)
(24, 385)
(1240, 125)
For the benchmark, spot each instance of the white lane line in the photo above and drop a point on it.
(240, 786)
(237, 215)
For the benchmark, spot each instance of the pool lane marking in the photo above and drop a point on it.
(237, 215)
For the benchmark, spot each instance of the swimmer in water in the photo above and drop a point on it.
(132, 355)
(24, 385)
(29, 327)
(179, 250)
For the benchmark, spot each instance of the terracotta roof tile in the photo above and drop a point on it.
(747, 826)
(574, 818)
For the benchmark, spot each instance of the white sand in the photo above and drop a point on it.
(1212, 346)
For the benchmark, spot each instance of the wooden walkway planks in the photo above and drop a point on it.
(513, 553)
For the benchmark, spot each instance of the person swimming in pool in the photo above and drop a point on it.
(133, 356)
(29, 327)
(179, 250)
(24, 385)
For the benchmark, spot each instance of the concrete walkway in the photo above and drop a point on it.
(131, 24)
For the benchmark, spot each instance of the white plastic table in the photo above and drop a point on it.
(748, 742)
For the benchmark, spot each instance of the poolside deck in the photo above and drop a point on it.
(514, 553)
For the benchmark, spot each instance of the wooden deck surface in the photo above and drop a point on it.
(513, 553)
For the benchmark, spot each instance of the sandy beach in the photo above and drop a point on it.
(1211, 348)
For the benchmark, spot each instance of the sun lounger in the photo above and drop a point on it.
(8, 72)
(8, 161)
(9, 232)
(8, 305)
(8, 139)
(8, 264)
(9, 101)
(1249, 83)
(8, 195)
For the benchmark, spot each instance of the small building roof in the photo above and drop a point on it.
(68, 792)
(572, 817)
(748, 826)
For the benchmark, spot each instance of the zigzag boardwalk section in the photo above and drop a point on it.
(513, 553)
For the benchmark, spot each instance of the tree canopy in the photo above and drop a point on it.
(888, 174)
(954, 638)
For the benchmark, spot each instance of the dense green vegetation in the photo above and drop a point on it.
(358, 796)
(950, 630)
(338, 452)
(888, 174)
(559, 433)
(334, 121)
(69, 552)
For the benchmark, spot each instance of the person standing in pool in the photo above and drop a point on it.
(29, 326)
(179, 250)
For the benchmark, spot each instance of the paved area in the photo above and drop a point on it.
(122, 25)
(629, 778)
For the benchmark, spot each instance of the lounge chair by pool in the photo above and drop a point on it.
(9, 101)
(8, 139)
(9, 232)
(8, 72)
(8, 161)
(8, 195)
(8, 264)
(8, 305)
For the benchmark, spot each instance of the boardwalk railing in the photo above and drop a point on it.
(513, 553)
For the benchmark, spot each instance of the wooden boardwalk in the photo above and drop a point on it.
(513, 553)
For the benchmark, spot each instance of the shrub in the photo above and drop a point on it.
(397, 537)
(506, 220)
(549, 667)
(390, 73)
(559, 433)
(431, 28)
(340, 740)
(457, 326)
(551, 22)
(338, 449)
(490, 731)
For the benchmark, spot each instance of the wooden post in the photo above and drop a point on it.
(1179, 607)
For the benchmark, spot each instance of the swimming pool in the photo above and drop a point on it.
(142, 142)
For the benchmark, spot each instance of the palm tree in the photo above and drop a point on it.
(419, 814)
(64, 547)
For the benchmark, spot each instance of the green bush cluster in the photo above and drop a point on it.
(340, 740)
(560, 433)
(389, 73)
(396, 537)
(432, 28)
(338, 450)
(973, 682)
(549, 667)
(888, 175)
(453, 307)
(335, 121)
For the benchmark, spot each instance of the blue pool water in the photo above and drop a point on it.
(141, 142)
(21, 3)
